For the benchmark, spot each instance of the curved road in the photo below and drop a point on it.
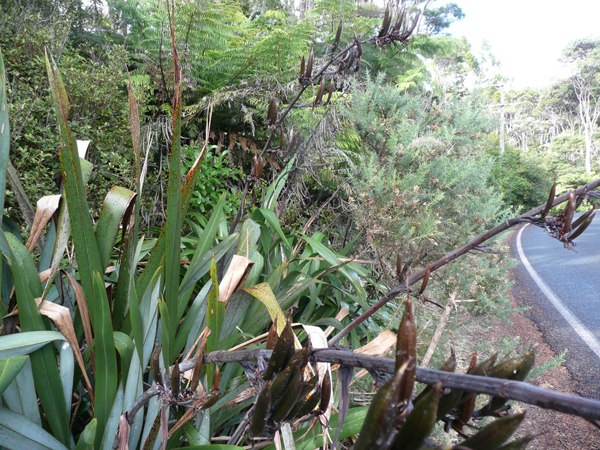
(562, 288)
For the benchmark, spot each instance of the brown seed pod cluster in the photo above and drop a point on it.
(399, 29)
(564, 226)
(172, 393)
(395, 422)
(289, 389)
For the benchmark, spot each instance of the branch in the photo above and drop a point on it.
(513, 390)
(528, 217)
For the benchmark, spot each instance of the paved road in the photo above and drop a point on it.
(562, 287)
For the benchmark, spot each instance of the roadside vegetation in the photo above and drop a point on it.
(206, 202)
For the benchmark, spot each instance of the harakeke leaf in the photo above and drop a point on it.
(84, 239)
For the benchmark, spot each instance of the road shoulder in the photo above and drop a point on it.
(554, 430)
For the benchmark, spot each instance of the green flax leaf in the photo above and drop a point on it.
(106, 358)
(45, 367)
(87, 438)
(84, 239)
(9, 369)
(214, 318)
(17, 431)
(4, 136)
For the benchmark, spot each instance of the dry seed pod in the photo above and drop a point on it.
(582, 218)
(452, 399)
(550, 200)
(197, 372)
(465, 412)
(568, 214)
(586, 223)
(281, 352)
(325, 393)
(425, 280)
(306, 389)
(517, 369)
(308, 405)
(280, 383)
(309, 64)
(483, 367)
(450, 364)
(320, 92)
(289, 400)
(155, 365)
(272, 336)
(495, 434)
(211, 401)
(406, 351)
(386, 23)
(419, 423)
(508, 368)
(302, 69)
(480, 369)
(381, 416)
(329, 93)
(351, 58)
(300, 359)
(261, 410)
(399, 265)
(399, 21)
(217, 378)
(448, 402)
(526, 366)
(359, 49)
(175, 380)
(338, 35)
(272, 111)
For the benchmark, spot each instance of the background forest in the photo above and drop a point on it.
(248, 163)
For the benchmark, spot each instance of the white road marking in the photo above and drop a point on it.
(579, 328)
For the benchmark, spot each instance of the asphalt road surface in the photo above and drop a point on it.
(562, 288)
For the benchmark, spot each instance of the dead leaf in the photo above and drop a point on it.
(235, 277)
(377, 347)
(45, 210)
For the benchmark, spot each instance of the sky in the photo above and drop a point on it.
(527, 36)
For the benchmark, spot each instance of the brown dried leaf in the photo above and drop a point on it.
(83, 309)
(235, 277)
(377, 347)
(46, 208)
(61, 316)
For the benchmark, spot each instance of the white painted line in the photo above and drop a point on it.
(579, 328)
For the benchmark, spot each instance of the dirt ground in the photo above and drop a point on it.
(553, 430)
